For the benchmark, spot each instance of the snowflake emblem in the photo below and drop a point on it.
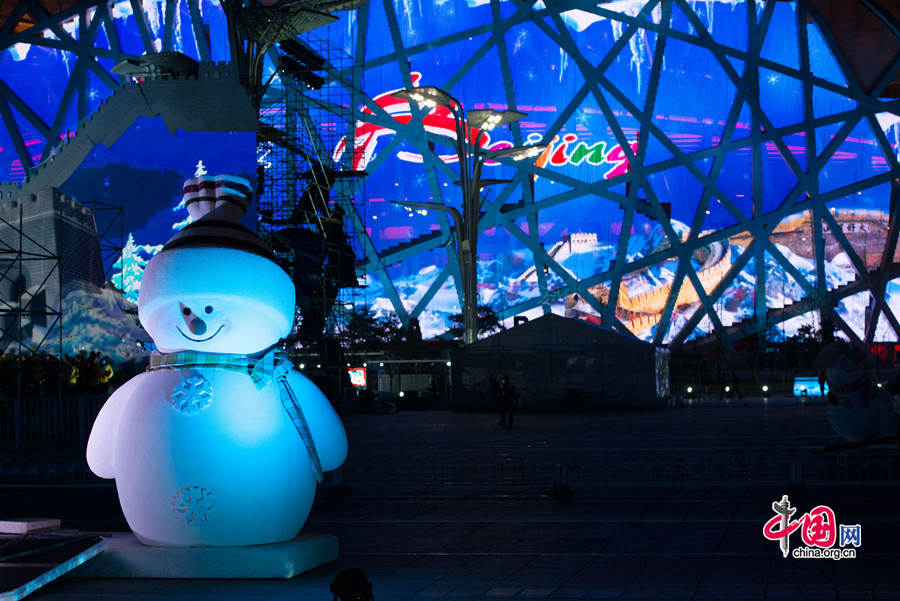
(193, 504)
(192, 394)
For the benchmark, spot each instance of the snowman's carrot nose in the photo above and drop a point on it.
(196, 325)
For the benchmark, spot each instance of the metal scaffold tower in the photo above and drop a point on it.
(309, 204)
(27, 315)
(30, 314)
(111, 232)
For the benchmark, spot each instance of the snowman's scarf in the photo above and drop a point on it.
(273, 366)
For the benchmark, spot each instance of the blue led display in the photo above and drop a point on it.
(682, 190)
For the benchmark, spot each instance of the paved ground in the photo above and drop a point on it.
(666, 504)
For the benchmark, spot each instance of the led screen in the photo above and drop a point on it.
(808, 386)
(133, 183)
(148, 186)
(357, 376)
(658, 135)
(697, 177)
(45, 110)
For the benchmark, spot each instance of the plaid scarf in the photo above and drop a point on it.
(273, 366)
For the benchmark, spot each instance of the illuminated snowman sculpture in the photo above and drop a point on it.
(220, 442)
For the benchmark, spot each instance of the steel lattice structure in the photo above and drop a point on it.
(757, 220)
(87, 34)
(726, 205)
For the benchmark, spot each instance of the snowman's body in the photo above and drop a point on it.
(210, 459)
(203, 453)
(858, 408)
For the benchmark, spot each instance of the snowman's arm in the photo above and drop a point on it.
(324, 424)
(102, 442)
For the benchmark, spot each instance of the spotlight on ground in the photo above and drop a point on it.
(351, 585)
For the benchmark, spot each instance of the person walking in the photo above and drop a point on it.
(736, 384)
(496, 385)
(509, 400)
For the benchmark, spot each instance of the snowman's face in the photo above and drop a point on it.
(215, 300)
(197, 326)
(214, 323)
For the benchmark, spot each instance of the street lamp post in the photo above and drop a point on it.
(471, 159)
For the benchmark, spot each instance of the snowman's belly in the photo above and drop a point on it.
(203, 457)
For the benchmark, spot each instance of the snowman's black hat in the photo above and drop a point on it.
(217, 204)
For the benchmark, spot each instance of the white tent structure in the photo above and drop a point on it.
(561, 363)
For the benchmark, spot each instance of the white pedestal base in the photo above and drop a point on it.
(28, 525)
(125, 557)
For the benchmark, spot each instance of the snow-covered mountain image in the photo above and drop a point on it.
(643, 293)
(93, 319)
(130, 266)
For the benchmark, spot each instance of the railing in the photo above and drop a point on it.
(878, 465)
(626, 467)
(47, 418)
(58, 470)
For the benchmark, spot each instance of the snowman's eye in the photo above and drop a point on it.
(208, 309)
(186, 311)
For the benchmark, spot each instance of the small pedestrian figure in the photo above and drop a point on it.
(509, 399)
(496, 387)
(736, 384)
(720, 382)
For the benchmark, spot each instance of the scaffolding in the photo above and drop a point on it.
(310, 205)
(110, 221)
(29, 274)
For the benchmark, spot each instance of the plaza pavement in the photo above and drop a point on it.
(666, 504)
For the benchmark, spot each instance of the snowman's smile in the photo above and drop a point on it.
(210, 337)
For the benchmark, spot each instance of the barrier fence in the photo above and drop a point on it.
(883, 467)
(47, 418)
(52, 436)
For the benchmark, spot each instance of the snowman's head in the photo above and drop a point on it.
(219, 300)
(215, 286)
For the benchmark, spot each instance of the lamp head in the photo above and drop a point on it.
(427, 97)
(517, 153)
(488, 119)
